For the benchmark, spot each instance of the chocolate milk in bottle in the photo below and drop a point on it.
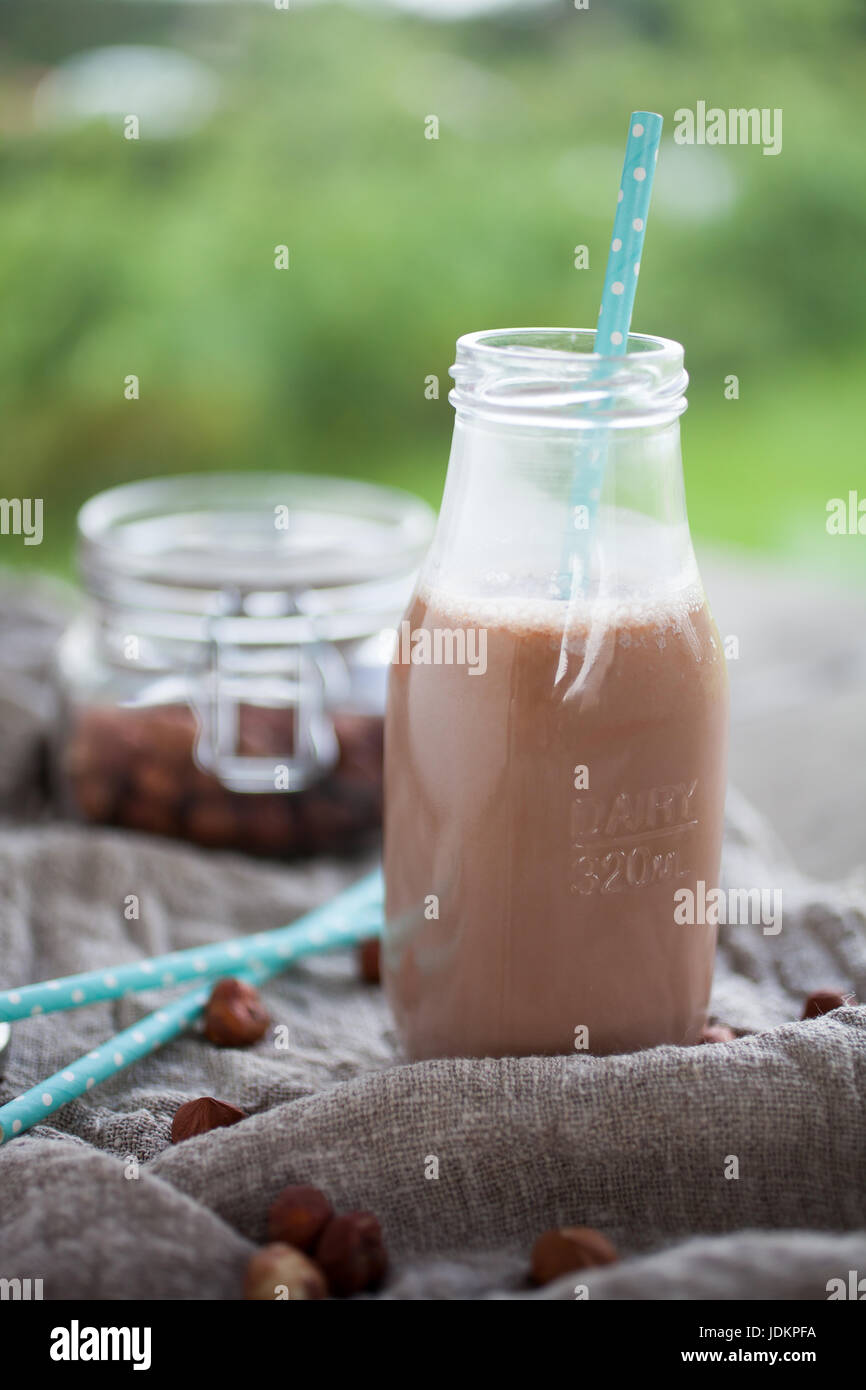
(557, 718)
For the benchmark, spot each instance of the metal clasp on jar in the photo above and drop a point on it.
(263, 709)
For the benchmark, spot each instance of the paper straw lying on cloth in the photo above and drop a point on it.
(316, 932)
(364, 900)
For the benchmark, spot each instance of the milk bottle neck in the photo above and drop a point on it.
(565, 476)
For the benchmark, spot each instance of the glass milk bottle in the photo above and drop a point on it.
(556, 728)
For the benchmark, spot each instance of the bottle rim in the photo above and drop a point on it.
(554, 376)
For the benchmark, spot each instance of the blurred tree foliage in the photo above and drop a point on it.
(156, 257)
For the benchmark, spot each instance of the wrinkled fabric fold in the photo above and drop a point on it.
(99, 1204)
(636, 1145)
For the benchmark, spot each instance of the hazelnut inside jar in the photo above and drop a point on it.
(225, 680)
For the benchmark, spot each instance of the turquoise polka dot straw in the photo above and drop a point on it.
(361, 902)
(352, 916)
(611, 339)
(80, 1076)
(629, 230)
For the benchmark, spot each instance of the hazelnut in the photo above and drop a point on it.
(151, 817)
(569, 1249)
(211, 821)
(104, 740)
(198, 1116)
(281, 1271)
(77, 759)
(368, 960)
(265, 731)
(268, 824)
(154, 781)
(235, 1015)
(327, 818)
(824, 1001)
(716, 1033)
(170, 729)
(298, 1216)
(351, 1253)
(95, 796)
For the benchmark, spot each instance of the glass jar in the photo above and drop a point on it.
(225, 682)
(557, 717)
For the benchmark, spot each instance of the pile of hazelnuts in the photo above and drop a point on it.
(313, 1253)
(136, 768)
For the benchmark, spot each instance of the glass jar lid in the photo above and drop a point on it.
(256, 545)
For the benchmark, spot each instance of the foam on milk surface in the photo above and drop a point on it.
(661, 611)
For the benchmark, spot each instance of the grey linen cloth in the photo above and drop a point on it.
(99, 1204)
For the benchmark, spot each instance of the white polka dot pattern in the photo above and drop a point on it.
(629, 227)
(351, 917)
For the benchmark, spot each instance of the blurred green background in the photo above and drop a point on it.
(156, 256)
